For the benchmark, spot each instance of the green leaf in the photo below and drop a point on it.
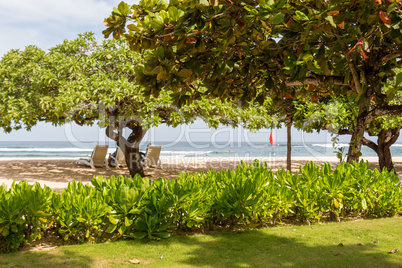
(353, 97)
(160, 52)
(87, 233)
(271, 3)
(301, 16)
(204, 2)
(139, 235)
(123, 8)
(133, 27)
(135, 211)
(364, 204)
(116, 12)
(14, 228)
(80, 219)
(162, 74)
(280, 4)
(6, 231)
(263, 3)
(174, 13)
(184, 73)
(331, 20)
(163, 235)
(111, 228)
(391, 7)
(127, 222)
(398, 79)
(308, 57)
(278, 18)
(112, 220)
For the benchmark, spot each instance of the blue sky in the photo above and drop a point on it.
(45, 23)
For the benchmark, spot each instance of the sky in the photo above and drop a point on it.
(46, 23)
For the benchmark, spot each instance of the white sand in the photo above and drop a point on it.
(57, 172)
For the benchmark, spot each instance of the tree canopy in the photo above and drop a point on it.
(338, 116)
(87, 82)
(251, 50)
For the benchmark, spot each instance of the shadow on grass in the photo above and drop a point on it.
(258, 249)
(255, 248)
(54, 258)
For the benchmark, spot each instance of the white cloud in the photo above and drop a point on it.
(46, 23)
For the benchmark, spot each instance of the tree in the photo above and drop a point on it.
(86, 82)
(235, 48)
(338, 116)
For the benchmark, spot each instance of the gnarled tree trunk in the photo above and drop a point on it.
(385, 139)
(129, 146)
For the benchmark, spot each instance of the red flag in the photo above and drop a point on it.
(271, 140)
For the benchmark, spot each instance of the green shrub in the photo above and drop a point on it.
(249, 195)
(82, 212)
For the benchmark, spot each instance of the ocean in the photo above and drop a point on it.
(183, 149)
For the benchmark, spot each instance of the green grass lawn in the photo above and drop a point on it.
(290, 246)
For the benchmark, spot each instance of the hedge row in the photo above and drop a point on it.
(251, 194)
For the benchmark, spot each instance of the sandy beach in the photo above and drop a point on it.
(57, 172)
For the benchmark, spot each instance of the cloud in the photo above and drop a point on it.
(45, 23)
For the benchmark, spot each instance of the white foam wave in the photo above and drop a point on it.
(182, 153)
(329, 145)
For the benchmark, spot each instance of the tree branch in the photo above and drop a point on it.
(389, 110)
(319, 79)
(82, 122)
(219, 15)
(370, 144)
(352, 67)
(111, 134)
(344, 132)
(395, 135)
(390, 57)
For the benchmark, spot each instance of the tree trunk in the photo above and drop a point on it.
(133, 164)
(356, 141)
(289, 144)
(129, 146)
(132, 151)
(385, 139)
(386, 161)
(384, 157)
(358, 133)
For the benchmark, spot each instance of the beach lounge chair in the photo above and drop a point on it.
(152, 156)
(97, 159)
(119, 160)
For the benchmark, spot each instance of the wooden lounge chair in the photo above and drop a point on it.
(97, 159)
(119, 160)
(152, 156)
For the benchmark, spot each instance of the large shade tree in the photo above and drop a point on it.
(338, 115)
(86, 82)
(234, 48)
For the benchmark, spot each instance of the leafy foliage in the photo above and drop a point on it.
(81, 80)
(281, 49)
(234, 47)
(249, 196)
(85, 82)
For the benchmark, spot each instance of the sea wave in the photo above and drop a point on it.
(183, 153)
(330, 145)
